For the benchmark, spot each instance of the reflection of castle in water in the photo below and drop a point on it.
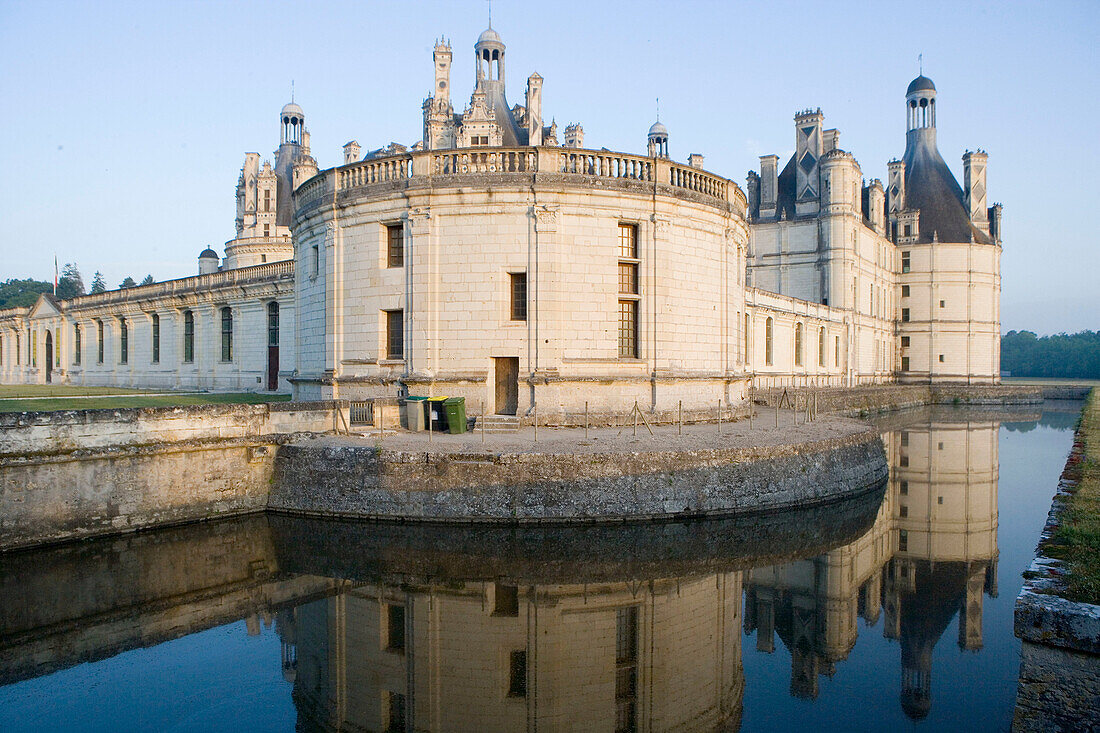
(931, 554)
(622, 656)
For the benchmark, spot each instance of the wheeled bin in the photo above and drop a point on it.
(455, 408)
(414, 413)
(436, 413)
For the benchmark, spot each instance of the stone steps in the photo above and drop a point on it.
(497, 423)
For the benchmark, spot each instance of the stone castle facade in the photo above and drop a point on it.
(491, 261)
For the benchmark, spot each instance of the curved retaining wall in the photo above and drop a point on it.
(375, 483)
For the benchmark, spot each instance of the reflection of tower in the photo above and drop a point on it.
(660, 654)
(931, 553)
(285, 628)
(946, 519)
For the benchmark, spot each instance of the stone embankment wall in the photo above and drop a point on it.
(78, 473)
(880, 398)
(337, 480)
(1059, 684)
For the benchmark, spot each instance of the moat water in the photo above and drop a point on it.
(888, 611)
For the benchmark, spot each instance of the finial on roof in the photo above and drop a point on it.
(920, 63)
(490, 13)
(658, 109)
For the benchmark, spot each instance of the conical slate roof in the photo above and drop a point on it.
(931, 187)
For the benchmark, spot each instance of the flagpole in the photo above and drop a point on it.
(55, 276)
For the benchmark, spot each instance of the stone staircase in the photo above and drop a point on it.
(497, 423)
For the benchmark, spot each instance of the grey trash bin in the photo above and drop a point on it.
(414, 413)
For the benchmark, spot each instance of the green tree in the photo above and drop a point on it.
(71, 283)
(148, 280)
(99, 285)
(22, 293)
(1067, 356)
(127, 283)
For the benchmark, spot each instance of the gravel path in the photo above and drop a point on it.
(700, 436)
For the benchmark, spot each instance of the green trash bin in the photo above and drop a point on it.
(455, 407)
(436, 413)
(414, 413)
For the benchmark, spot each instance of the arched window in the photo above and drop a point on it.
(123, 341)
(798, 344)
(156, 338)
(748, 332)
(188, 337)
(768, 342)
(227, 334)
(821, 347)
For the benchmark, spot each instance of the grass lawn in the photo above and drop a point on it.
(132, 398)
(61, 390)
(1077, 540)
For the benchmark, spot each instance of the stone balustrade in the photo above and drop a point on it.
(240, 276)
(584, 164)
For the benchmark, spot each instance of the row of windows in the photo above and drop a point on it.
(799, 359)
(226, 318)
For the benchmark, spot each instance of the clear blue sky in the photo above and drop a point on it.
(126, 123)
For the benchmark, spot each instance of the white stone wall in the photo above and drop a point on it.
(461, 244)
(246, 292)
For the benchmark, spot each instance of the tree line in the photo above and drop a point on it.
(1073, 356)
(15, 293)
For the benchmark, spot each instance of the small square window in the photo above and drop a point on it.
(628, 241)
(904, 461)
(905, 291)
(905, 488)
(505, 600)
(943, 304)
(904, 511)
(939, 499)
(941, 358)
(940, 447)
(905, 342)
(905, 314)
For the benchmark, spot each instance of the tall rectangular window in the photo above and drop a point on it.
(395, 712)
(768, 328)
(395, 628)
(395, 246)
(905, 314)
(123, 341)
(628, 241)
(905, 291)
(518, 289)
(905, 262)
(628, 329)
(227, 334)
(78, 343)
(156, 338)
(821, 347)
(18, 351)
(99, 344)
(626, 669)
(33, 338)
(188, 337)
(798, 344)
(267, 199)
(517, 673)
(629, 290)
(314, 260)
(395, 334)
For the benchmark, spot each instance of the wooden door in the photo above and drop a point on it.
(507, 385)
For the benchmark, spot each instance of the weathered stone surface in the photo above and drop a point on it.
(1059, 690)
(372, 482)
